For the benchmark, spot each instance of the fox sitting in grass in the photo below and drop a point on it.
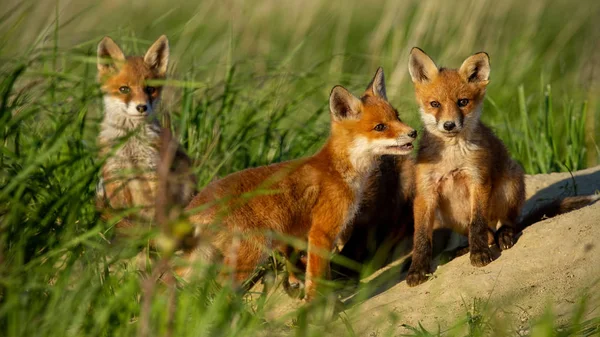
(244, 215)
(465, 178)
(130, 132)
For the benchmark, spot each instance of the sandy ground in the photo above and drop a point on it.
(556, 261)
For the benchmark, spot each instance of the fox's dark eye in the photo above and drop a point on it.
(463, 102)
(435, 104)
(124, 90)
(150, 90)
(379, 127)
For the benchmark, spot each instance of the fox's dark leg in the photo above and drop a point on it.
(293, 261)
(514, 198)
(422, 242)
(291, 268)
(505, 236)
(481, 254)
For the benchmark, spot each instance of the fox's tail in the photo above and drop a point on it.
(556, 207)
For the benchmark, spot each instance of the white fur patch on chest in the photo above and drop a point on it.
(135, 157)
(135, 139)
(450, 178)
(455, 160)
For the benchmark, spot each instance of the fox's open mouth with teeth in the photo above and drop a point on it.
(407, 146)
(401, 149)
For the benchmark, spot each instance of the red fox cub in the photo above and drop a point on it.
(312, 198)
(465, 178)
(131, 129)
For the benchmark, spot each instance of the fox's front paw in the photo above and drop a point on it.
(293, 287)
(481, 257)
(505, 237)
(416, 277)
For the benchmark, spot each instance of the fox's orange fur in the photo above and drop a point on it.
(312, 198)
(131, 130)
(465, 178)
(383, 220)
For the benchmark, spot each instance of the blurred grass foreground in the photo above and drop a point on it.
(249, 82)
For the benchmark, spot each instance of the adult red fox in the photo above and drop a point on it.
(312, 198)
(130, 128)
(465, 178)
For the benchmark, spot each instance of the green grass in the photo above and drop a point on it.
(249, 86)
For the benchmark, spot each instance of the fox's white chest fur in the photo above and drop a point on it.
(135, 141)
(132, 167)
(451, 177)
(455, 158)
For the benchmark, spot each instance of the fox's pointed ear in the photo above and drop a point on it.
(377, 85)
(343, 104)
(476, 68)
(109, 55)
(157, 56)
(421, 67)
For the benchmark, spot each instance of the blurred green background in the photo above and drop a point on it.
(279, 60)
(249, 86)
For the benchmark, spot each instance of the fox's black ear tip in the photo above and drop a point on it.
(483, 53)
(336, 88)
(415, 49)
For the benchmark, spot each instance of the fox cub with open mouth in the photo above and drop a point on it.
(312, 198)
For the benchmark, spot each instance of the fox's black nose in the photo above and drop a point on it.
(449, 126)
(141, 108)
(413, 134)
